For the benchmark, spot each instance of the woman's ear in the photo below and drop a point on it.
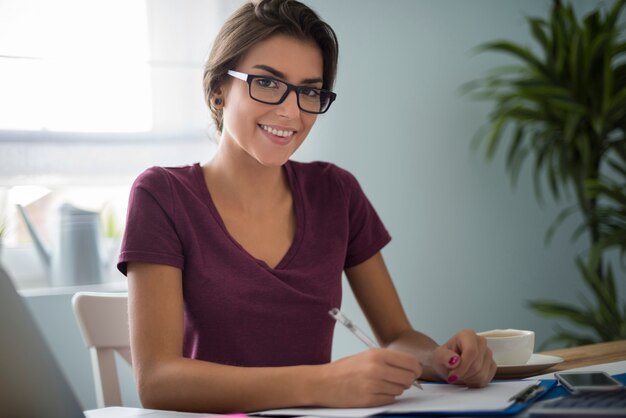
(217, 98)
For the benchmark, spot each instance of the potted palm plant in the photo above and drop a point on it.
(563, 105)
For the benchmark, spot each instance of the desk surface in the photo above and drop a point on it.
(574, 357)
(588, 355)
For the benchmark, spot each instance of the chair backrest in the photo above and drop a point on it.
(103, 322)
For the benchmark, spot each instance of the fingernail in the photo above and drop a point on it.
(453, 360)
(453, 378)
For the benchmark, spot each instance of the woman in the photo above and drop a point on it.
(233, 265)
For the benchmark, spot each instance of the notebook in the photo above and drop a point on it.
(32, 383)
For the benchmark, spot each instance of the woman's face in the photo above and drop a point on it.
(270, 134)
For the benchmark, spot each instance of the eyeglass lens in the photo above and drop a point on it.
(273, 91)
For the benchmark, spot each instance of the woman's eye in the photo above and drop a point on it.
(310, 92)
(267, 83)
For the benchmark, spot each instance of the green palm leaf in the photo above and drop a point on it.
(564, 110)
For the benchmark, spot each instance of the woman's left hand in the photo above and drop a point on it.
(465, 359)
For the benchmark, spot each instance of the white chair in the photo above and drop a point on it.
(103, 322)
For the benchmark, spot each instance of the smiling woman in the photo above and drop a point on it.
(234, 264)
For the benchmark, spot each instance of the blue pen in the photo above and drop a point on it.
(343, 320)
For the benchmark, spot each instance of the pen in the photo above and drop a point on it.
(343, 320)
(528, 393)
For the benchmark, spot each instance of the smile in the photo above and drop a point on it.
(277, 132)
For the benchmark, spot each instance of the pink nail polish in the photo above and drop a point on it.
(453, 360)
(452, 378)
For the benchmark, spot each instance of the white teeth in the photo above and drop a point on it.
(277, 132)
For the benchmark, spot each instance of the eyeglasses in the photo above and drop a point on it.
(271, 91)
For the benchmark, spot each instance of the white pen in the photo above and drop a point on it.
(343, 320)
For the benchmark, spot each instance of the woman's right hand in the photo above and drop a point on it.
(371, 378)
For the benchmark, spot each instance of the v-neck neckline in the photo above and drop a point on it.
(297, 206)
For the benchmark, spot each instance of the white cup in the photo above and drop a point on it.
(510, 347)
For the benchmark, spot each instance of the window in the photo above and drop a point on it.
(75, 66)
(92, 92)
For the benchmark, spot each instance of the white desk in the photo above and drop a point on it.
(122, 412)
(609, 357)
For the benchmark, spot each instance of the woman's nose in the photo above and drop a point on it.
(289, 107)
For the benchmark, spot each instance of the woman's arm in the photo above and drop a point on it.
(167, 380)
(465, 358)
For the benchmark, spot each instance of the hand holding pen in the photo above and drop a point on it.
(343, 320)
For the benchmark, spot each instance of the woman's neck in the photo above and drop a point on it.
(241, 179)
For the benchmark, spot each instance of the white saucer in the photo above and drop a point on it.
(536, 363)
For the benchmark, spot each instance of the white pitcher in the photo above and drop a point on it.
(76, 257)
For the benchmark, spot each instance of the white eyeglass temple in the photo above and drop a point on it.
(237, 74)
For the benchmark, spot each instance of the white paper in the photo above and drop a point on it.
(435, 397)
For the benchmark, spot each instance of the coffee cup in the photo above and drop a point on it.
(510, 347)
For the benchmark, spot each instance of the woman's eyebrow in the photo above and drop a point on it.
(281, 75)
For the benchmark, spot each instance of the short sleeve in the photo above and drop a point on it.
(367, 233)
(150, 234)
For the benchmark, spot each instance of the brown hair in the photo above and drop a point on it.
(254, 22)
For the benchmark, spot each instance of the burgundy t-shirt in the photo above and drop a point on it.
(238, 310)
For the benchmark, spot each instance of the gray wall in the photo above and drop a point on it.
(467, 251)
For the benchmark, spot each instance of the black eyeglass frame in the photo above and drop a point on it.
(248, 78)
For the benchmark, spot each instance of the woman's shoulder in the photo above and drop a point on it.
(158, 176)
(327, 178)
(319, 170)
